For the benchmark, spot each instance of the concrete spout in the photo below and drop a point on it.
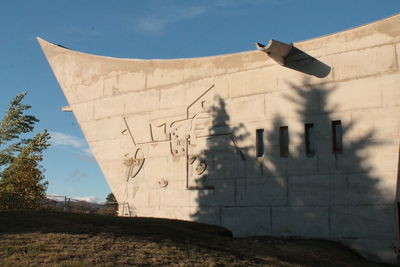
(276, 50)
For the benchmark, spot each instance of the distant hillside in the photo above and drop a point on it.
(61, 203)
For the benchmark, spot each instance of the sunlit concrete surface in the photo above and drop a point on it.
(178, 138)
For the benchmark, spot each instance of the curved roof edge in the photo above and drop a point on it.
(368, 24)
(46, 44)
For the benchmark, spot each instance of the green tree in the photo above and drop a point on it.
(110, 207)
(20, 172)
(110, 199)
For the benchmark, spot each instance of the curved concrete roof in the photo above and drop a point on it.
(383, 26)
(71, 67)
(380, 25)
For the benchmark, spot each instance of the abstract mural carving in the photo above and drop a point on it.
(182, 135)
(133, 164)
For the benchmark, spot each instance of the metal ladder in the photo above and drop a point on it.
(126, 211)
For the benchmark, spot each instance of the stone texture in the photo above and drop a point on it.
(266, 191)
(374, 60)
(247, 221)
(141, 101)
(391, 94)
(370, 222)
(165, 72)
(308, 190)
(264, 81)
(172, 97)
(365, 94)
(249, 108)
(300, 221)
(84, 111)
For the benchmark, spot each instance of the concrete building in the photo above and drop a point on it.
(287, 140)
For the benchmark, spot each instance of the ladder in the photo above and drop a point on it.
(126, 211)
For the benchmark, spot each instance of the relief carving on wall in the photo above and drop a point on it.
(163, 183)
(198, 167)
(133, 164)
(181, 135)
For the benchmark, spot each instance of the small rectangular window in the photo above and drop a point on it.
(337, 137)
(309, 138)
(398, 218)
(260, 143)
(284, 141)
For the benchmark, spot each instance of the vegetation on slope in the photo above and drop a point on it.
(34, 238)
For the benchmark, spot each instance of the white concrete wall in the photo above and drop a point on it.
(348, 197)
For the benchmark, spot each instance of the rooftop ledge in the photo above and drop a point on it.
(384, 25)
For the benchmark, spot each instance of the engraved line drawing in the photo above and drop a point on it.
(129, 130)
(181, 135)
(134, 164)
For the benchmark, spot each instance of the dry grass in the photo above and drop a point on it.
(59, 239)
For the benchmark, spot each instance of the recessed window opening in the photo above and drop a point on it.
(398, 218)
(337, 146)
(284, 141)
(259, 143)
(309, 134)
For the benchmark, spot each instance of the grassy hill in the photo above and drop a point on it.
(42, 238)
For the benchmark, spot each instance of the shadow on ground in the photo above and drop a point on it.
(34, 238)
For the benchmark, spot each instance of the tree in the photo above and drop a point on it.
(110, 207)
(20, 172)
(110, 199)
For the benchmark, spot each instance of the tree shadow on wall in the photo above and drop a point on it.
(324, 194)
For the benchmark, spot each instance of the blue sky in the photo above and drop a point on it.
(143, 29)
